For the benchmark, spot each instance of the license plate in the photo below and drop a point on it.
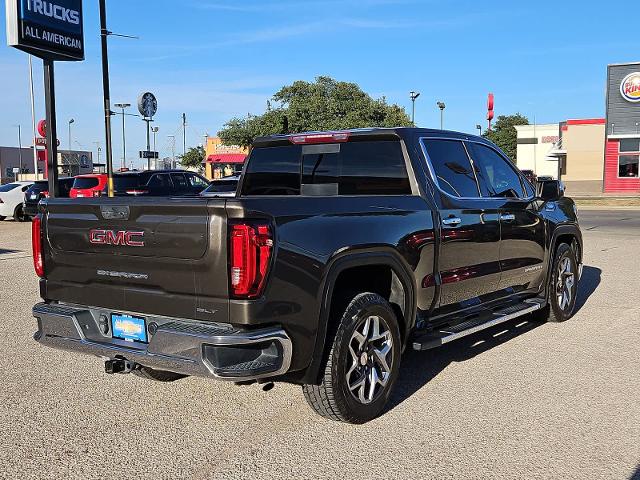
(34, 197)
(126, 327)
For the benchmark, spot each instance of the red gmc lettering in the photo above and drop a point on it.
(122, 237)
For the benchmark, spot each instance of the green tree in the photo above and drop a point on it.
(193, 158)
(325, 104)
(504, 134)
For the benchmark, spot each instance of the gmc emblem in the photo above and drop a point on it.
(110, 237)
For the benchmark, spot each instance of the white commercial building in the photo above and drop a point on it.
(535, 144)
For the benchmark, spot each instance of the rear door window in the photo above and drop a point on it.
(160, 184)
(180, 183)
(496, 176)
(452, 167)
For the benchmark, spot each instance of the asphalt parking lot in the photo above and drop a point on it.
(518, 401)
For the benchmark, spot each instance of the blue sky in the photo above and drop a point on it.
(215, 59)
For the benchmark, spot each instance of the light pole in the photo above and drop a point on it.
(19, 147)
(441, 106)
(155, 131)
(122, 106)
(479, 127)
(413, 95)
(71, 120)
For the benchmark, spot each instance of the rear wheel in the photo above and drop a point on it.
(363, 363)
(563, 288)
(18, 214)
(2, 218)
(157, 375)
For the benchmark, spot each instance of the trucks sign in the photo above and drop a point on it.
(47, 29)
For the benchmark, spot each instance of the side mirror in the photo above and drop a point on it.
(550, 190)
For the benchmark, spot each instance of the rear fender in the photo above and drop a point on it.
(342, 262)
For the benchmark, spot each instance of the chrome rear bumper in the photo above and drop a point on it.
(177, 345)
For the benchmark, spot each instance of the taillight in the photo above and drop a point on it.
(310, 138)
(45, 194)
(36, 245)
(250, 248)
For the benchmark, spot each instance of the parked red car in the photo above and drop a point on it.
(90, 185)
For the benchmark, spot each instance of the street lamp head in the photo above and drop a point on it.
(155, 129)
(413, 95)
(441, 105)
(122, 105)
(71, 120)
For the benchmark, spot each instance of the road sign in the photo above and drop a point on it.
(147, 104)
(148, 154)
(42, 142)
(48, 30)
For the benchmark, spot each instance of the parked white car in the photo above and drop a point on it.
(11, 198)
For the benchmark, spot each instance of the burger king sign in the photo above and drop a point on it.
(630, 87)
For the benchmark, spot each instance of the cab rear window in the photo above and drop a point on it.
(352, 168)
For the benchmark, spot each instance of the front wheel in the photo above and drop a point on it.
(2, 218)
(363, 363)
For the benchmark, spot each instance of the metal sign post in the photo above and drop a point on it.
(52, 33)
(52, 145)
(148, 107)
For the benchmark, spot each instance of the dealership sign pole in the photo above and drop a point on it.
(53, 31)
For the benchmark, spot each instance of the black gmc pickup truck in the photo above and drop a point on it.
(339, 251)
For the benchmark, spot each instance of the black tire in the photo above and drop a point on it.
(557, 310)
(333, 399)
(18, 214)
(157, 375)
(2, 218)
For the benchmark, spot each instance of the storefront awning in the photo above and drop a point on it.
(226, 158)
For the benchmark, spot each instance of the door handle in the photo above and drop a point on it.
(507, 217)
(451, 221)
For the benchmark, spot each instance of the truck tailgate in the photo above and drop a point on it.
(153, 255)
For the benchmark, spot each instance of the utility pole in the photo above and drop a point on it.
(107, 100)
(413, 96)
(184, 134)
(33, 121)
(122, 106)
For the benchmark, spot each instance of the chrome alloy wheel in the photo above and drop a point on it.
(565, 284)
(371, 348)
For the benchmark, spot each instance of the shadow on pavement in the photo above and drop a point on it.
(419, 368)
(4, 251)
(636, 474)
(588, 284)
